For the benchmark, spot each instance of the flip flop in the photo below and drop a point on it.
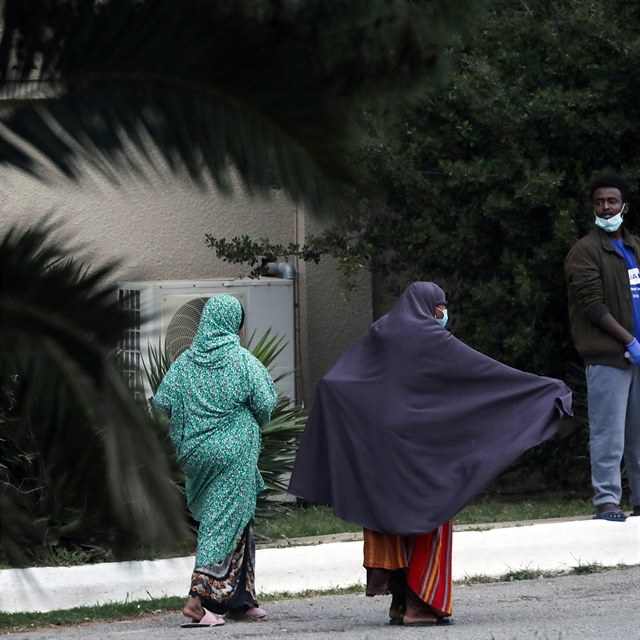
(427, 623)
(611, 516)
(208, 620)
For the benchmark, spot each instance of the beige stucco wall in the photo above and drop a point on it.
(333, 318)
(155, 230)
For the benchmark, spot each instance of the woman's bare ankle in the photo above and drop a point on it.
(193, 609)
(417, 610)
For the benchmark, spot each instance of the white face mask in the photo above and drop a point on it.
(445, 316)
(613, 223)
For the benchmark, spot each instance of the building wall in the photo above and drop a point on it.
(333, 318)
(155, 230)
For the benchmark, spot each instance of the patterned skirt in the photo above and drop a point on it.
(230, 584)
(422, 563)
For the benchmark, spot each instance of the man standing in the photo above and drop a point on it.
(604, 309)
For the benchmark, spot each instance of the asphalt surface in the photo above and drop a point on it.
(577, 607)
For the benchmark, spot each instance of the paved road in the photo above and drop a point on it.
(588, 607)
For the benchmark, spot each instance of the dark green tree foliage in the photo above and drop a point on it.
(269, 88)
(486, 180)
(486, 183)
(480, 186)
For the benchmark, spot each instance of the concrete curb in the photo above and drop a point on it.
(548, 546)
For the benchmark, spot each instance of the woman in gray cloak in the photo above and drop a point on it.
(407, 428)
(218, 395)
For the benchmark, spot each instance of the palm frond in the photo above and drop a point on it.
(271, 89)
(66, 404)
(156, 366)
(280, 438)
(267, 349)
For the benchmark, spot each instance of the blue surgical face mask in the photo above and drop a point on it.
(612, 224)
(445, 316)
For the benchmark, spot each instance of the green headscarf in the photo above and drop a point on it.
(217, 332)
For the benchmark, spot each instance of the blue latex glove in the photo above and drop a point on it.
(633, 349)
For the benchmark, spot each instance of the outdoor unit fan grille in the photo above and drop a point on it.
(182, 327)
(129, 346)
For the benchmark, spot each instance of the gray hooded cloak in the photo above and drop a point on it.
(411, 424)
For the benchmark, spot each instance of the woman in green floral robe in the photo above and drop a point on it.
(217, 396)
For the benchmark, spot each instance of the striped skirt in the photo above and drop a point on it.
(425, 561)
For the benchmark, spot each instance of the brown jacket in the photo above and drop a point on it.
(598, 282)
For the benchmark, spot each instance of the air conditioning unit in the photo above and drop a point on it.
(168, 312)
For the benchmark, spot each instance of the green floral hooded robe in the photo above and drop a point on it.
(217, 395)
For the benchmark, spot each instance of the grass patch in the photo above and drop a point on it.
(479, 578)
(313, 593)
(533, 574)
(116, 611)
(498, 508)
(587, 568)
(62, 557)
(301, 522)
(527, 574)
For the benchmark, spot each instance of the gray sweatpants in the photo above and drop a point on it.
(614, 421)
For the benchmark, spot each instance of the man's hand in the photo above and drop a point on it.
(633, 348)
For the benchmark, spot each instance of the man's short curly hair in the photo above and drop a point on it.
(611, 181)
